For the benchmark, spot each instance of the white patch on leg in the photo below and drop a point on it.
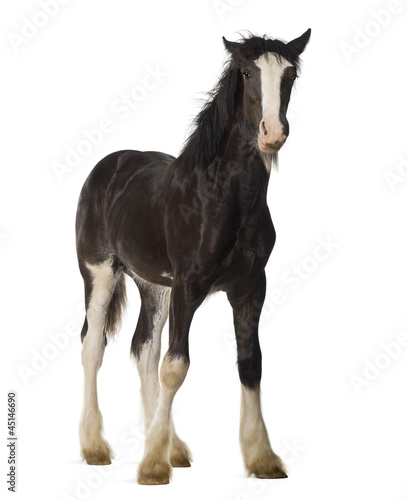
(156, 461)
(258, 456)
(172, 375)
(91, 428)
(147, 366)
(253, 433)
(148, 361)
(163, 446)
(94, 448)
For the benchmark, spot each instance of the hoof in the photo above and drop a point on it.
(278, 474)
(268, 466)
(101, 455)
(97, 461)
(152, 471)
(180, 454)
(180, 463)
(154, 480)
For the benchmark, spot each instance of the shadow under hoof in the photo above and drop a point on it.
(154, 480)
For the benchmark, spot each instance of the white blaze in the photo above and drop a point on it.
(271, 73)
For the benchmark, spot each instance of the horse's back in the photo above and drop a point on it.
(122, 166)
(117, 202)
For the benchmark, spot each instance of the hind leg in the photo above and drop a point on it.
(146, 347)
(100, 282)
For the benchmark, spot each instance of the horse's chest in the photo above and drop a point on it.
(255, 243)
(252, 248)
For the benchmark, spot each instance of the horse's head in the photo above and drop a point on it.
(268, 69)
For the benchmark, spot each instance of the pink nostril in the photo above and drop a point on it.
(263, 128)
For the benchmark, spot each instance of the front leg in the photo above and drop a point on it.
(162, 448)
(155, 467)
(258, 456)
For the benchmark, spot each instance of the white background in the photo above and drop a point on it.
(339, 438)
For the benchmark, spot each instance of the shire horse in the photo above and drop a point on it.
(183, 228)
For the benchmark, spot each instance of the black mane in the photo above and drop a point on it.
(208, 137)
(209, 127)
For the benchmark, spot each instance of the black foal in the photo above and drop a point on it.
(183, 228)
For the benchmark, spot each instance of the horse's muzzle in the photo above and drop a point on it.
(270, 147)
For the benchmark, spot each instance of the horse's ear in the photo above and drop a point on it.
(299, 44)
(230, 46)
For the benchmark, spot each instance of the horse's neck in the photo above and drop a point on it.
(235, 165)
(243, 161)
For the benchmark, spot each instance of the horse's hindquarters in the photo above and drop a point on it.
(120, 213)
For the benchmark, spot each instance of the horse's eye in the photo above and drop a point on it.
(294, 77)
(246, 74)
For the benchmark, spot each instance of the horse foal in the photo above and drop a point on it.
(183, 228)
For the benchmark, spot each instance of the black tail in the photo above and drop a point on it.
(116, 308)
(114, 312)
